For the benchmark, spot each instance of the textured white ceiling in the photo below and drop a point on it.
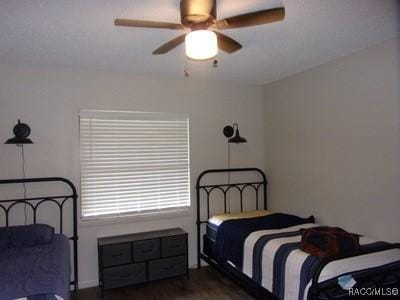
(81, 34)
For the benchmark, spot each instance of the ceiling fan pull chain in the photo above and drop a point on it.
(186, 70)
(215, 63)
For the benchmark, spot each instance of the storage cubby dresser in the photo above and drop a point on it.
(132, 259)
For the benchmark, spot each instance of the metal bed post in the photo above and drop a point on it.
(75, 237)
(265, 194)
(198, 226)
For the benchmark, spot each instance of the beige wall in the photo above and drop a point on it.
(332, 142)
(50, 100)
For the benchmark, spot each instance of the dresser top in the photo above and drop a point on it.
(117, 239)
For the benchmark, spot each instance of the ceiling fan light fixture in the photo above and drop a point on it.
(201, 44)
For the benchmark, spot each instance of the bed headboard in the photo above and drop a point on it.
(34, 203)
(239, 186)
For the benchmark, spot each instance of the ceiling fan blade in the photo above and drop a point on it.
(227, 44)
(251, 19)
(170, 45)
(147, 24)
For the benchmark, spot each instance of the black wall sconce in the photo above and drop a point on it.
(21, 133)
(232, 133)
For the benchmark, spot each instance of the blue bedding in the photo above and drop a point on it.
(232, 233)
(271, 255)
(38, 272)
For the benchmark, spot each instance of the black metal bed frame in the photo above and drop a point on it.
(316, 290)
(225, 188)
(36, 202)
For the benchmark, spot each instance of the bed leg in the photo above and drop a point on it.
(198, 247)
(76, 294)
(198, 260)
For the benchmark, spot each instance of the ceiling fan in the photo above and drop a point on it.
(200, 16)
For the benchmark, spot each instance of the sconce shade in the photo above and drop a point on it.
(229, 131)
(237, 139)
(21, 132)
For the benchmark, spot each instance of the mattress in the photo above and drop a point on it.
(39, 272)
(273, 259)
(267, 250)
(217, 220)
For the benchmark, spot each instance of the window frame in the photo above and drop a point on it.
(136, 215)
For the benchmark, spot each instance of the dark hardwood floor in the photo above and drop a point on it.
(204, 284)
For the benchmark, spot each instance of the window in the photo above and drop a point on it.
(133, 163)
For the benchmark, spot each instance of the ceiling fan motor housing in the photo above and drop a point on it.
(198, 14)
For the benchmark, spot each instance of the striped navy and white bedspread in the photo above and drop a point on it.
(273, 259)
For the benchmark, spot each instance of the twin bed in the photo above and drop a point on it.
(260, 249)
(35, 259)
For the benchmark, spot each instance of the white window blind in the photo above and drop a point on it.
(133, 163)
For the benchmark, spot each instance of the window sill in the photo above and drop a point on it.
(103, 221)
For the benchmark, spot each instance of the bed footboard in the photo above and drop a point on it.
(386, 278)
